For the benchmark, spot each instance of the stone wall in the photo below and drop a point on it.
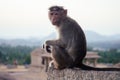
(36, 59)
(76, 74)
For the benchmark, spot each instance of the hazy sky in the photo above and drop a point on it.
(29, 18)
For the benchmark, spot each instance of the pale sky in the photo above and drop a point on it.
(29, 18)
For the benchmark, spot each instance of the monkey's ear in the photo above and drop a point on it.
(65, 12)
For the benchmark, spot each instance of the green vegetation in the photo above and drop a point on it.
(20, 53)
(111, 56)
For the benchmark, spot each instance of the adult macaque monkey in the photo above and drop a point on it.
(69, 49)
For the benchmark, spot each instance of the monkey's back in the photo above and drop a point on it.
(74, 38)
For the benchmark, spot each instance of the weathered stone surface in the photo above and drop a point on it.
(76, 74)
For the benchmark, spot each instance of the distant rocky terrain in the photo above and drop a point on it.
(93, 39)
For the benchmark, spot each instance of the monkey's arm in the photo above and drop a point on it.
(55, 42)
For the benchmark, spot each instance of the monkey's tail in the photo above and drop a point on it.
(85, 67)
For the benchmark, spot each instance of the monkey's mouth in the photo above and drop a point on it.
(54, 22)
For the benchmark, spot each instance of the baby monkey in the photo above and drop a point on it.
(69, 50)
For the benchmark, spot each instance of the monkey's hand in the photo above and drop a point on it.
(47, 48)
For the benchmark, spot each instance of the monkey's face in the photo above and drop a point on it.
(55, 17)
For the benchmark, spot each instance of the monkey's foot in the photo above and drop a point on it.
(51, 65)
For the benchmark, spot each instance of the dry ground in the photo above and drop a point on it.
(21, 73)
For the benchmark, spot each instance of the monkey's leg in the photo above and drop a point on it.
(61, 58)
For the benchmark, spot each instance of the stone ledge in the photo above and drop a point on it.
(77, 74)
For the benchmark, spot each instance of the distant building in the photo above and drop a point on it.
(92, 57)
(36, 59)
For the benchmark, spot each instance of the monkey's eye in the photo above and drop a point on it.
(51, 13)
(56, 13)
